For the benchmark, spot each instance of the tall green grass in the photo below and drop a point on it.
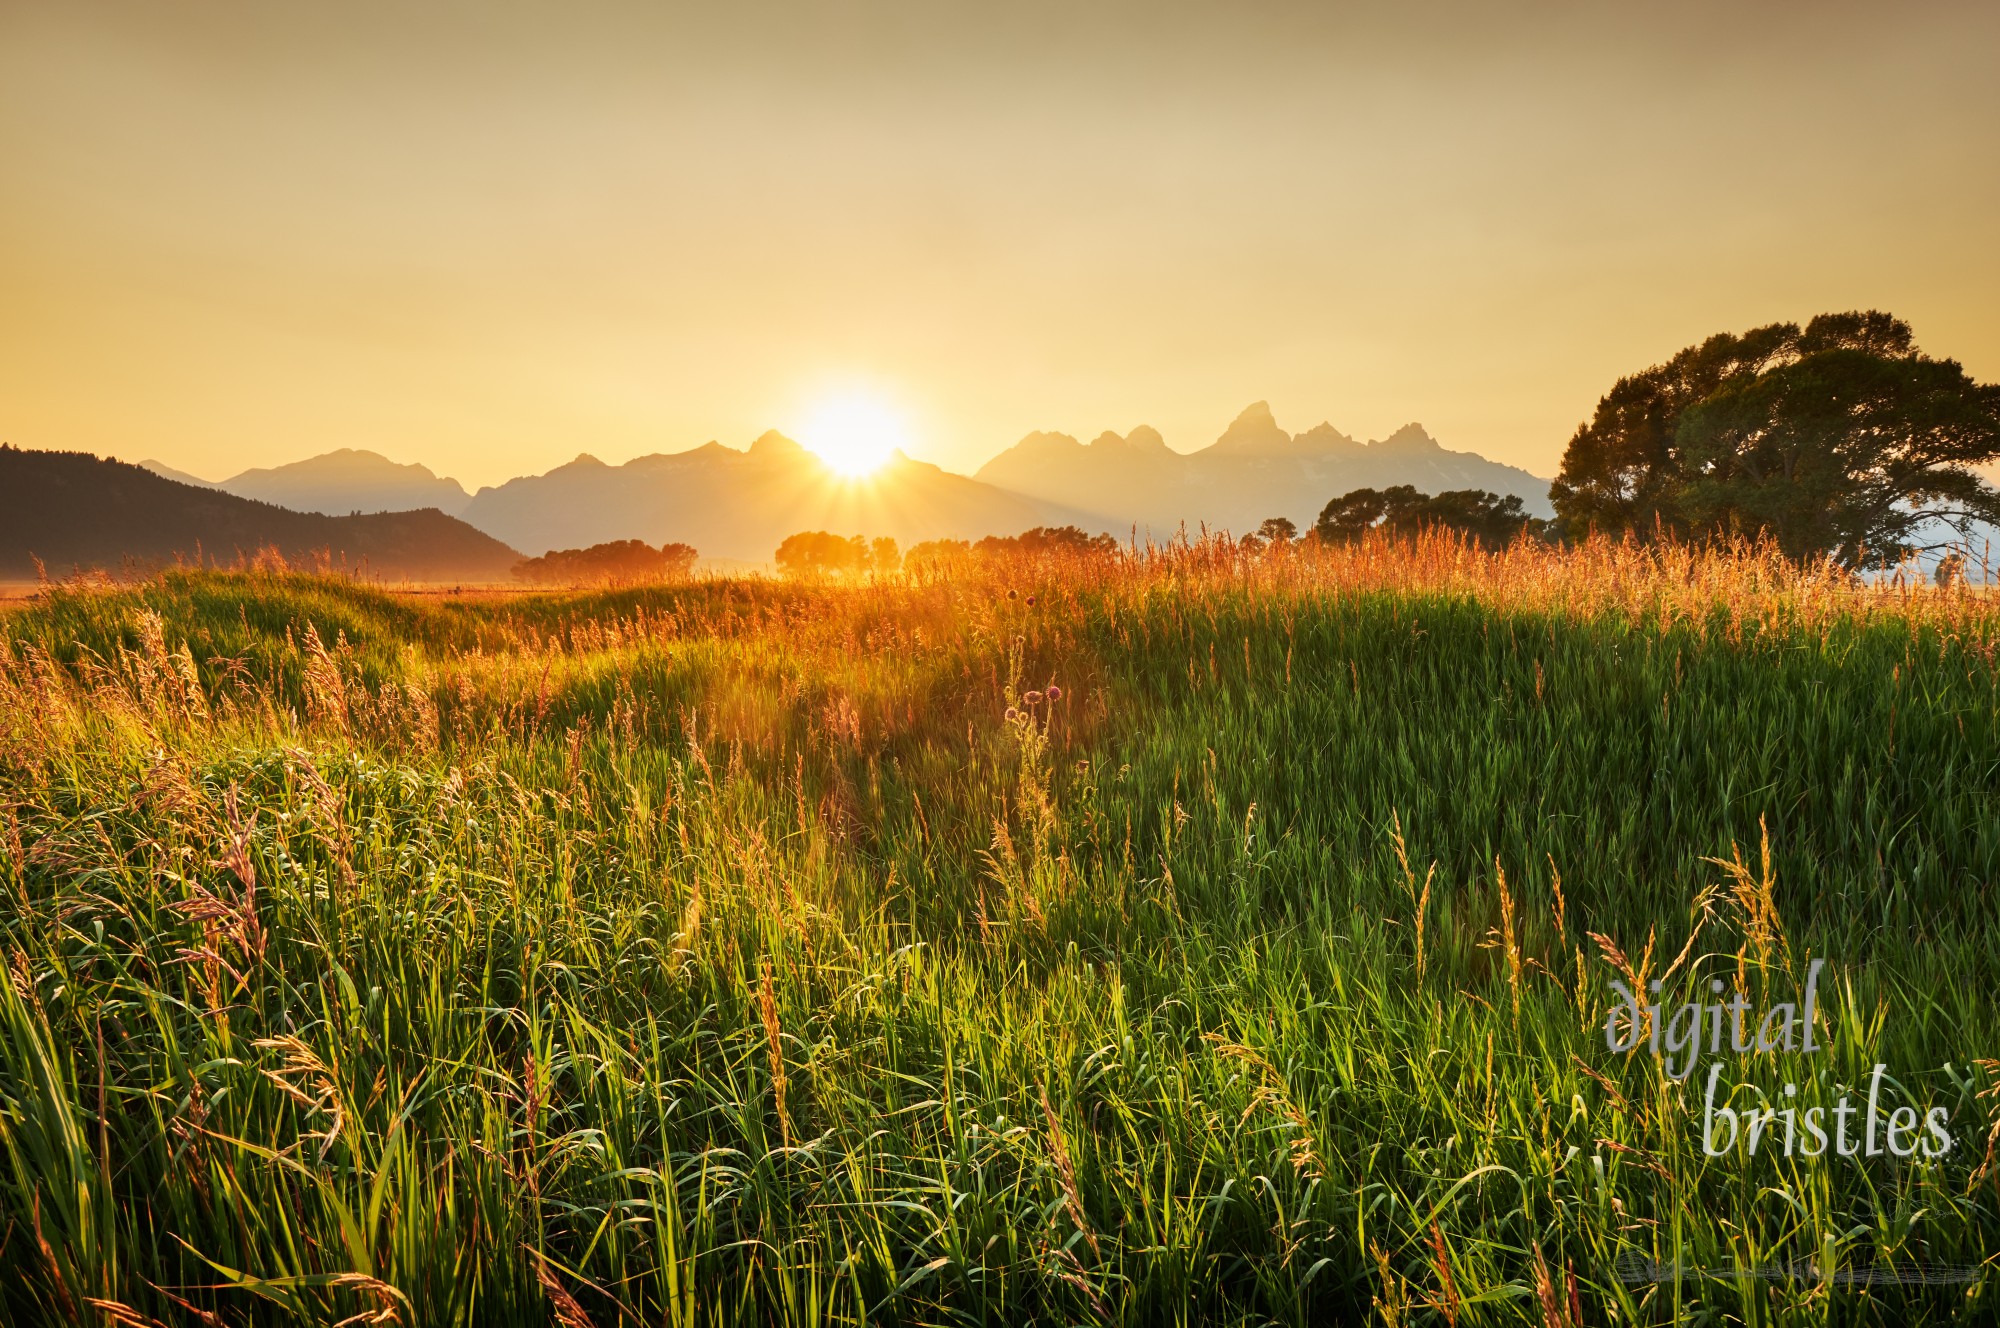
(748, 952)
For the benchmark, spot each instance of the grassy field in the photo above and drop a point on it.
(1201, 938)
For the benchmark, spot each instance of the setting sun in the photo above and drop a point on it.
(854, 432)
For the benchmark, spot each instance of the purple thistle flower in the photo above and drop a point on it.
(1055, 692)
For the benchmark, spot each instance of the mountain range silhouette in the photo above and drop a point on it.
(337, 483)
(736, 505)
(1253, 471)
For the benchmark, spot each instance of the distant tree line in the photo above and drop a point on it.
(618, 560)
(1487, 518)
(821, 553)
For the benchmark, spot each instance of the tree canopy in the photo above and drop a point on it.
(617, 560)
(1489, 518)
(1274, 532)
(1048, 539)
(1841, 438)
(820, 553)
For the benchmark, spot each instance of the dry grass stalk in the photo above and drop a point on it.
(121, 1315)
(1562, 905)
(1419, 903)
(1509, 941)
(568, 1313)
(1755, 896)
(1447, 1285)
(1703, 912)
(302, 1069)
(1989, 1167)
(330, 822)
(1558, 1310)
(228, 920)
(1066, 1174)
(326, 693)
(1274, 1092)
(1635, 977)
(689, 936)
(1073, 1276)
(385, 1299)
(767, 1007)
(1618, 1098)
(48, 1254)
(1394, 1303)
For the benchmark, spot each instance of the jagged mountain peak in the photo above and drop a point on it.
(1256, 415)
(773, 445)
(739, 505)
(1253, 471)
(1254, 431)
(1411, 438)
(347, 479)
(1144, 438)
(1323, 437)
(1042, 440)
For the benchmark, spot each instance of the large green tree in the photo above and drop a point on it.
(1839, 439)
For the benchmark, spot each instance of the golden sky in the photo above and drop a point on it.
(488, 236)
